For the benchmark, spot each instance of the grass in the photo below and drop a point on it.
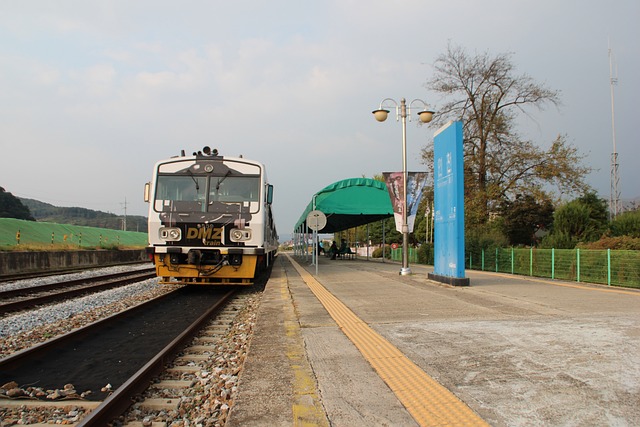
(20, 235)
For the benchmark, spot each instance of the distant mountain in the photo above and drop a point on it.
(46, 212)
(12, 207)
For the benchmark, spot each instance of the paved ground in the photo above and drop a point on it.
(518, 351)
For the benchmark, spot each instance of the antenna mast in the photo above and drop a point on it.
(614, 195)
(124, 221)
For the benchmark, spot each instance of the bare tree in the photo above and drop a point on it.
(486, 95)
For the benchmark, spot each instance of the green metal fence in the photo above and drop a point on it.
(396, 255)
(610, 267)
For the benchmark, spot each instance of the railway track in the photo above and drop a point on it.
(18, 299)
(159, 386)
(39, 274)
(59, 356)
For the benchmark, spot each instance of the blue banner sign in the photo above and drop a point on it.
(449, 205)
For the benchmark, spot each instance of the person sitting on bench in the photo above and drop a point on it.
(344, 249)
(333, 250)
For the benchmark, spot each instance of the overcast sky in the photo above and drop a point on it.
(93, 93)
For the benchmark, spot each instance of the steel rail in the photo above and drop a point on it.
(113, 280)
(67, 283)
(16, 359)
(71, 270)
(121, 399)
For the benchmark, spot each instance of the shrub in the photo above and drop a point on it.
(490, 238)
(425, 253)
(620, 242)
(377, 253)
(558, 240)
(627, 224)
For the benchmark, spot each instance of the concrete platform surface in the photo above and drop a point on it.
(517, 351)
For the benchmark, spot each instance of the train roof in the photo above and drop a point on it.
(209, 154)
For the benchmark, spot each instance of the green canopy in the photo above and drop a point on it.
(349, 203)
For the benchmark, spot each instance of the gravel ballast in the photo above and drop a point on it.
(206, 403)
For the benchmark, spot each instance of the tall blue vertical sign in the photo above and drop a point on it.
(448, 180)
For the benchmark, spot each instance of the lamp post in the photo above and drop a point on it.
(425, 117)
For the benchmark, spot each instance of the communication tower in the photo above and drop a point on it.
(614, 194)
(124, 220)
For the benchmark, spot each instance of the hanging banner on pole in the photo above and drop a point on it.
(395, 187)
(416, 182)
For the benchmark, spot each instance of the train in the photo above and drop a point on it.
(210, 219)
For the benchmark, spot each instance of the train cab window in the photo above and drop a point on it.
(180, 193)
(235, 189)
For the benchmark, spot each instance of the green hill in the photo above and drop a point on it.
(45, 212)
(28, 224)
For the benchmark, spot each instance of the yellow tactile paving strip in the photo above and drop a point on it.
(427, 401)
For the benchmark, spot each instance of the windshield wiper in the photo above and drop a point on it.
(194, 180)
(222, 179)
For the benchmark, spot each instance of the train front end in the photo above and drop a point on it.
(210, 220)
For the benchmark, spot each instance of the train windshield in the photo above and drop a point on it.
(193, 193)
(236, 189)
(187, 190)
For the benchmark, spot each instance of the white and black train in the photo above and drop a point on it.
(210, 219)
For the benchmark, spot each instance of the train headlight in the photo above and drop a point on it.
(170, 234)
(240, 234)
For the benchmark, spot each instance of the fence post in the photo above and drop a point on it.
(496, 260)
(553, 263)
(512, 260)
(608, 267)
(578, 264)
(531, 261)
(482, 259)
(470, 260)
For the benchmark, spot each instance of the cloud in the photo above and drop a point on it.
(289, 84)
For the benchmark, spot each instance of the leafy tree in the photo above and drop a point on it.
(486, 95)
(391, 235)
(524, 217)
(571, 220)
(581, 220)
(12, 207)
(485, 238)
(626, 224)
(598, 215)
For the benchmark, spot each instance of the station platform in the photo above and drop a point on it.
(357, 344)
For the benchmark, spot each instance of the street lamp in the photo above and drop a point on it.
(425, 117)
